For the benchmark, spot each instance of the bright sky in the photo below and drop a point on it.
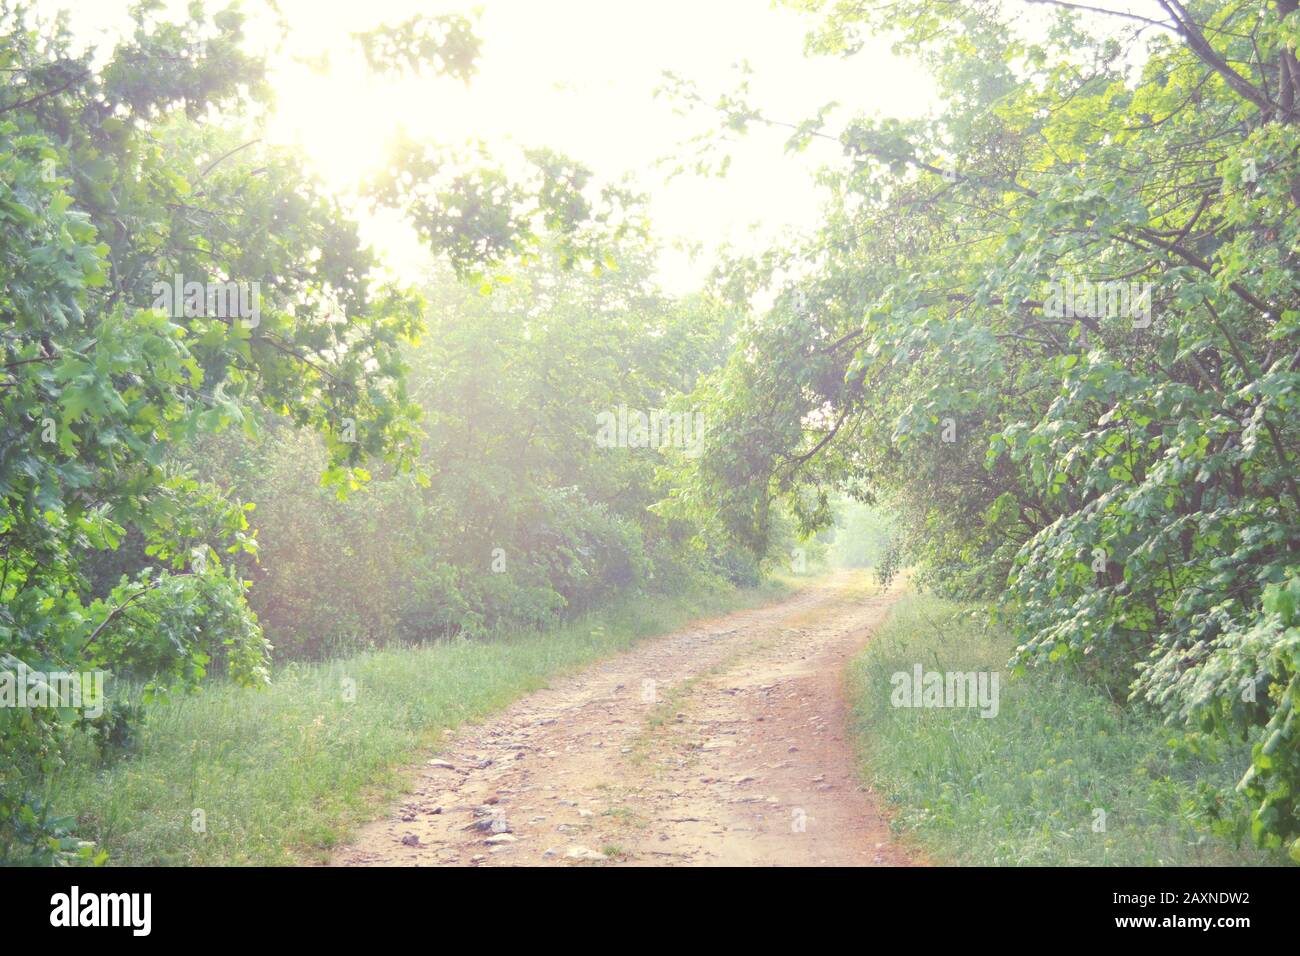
(579, 76)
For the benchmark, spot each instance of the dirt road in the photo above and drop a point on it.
(725, 743)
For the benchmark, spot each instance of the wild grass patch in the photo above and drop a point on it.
(234, 776)
(1061, 776)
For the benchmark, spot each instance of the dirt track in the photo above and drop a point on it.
(725, 744)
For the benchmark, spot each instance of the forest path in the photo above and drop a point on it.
(725, 743)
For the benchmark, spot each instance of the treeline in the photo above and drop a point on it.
(1056, 326)
(514, 515)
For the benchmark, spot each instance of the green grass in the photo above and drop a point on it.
(1022, 788)
(282, 774)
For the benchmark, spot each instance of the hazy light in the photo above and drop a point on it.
(579, 76)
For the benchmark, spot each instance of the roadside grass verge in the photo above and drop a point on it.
(1024, 787)
(282, 774)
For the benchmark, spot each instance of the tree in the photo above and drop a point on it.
(166, 276)
(1057, 325)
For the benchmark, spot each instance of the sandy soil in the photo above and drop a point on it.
(723, 744)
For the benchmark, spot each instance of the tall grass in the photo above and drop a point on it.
(1025, 787)
(280, 775)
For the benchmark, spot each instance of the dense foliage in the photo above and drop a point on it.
(1058, 326)
(514, 515)
(1052, 332)
(187, 321)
